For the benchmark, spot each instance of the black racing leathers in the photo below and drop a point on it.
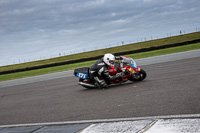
(100, 74)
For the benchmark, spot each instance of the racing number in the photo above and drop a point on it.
(82, 75)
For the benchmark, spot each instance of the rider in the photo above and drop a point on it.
(99, 70)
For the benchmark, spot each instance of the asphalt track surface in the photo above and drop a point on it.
(170, 88)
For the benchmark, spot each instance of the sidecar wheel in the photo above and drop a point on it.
(86, 85)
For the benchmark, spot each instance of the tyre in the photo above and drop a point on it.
(139, 76)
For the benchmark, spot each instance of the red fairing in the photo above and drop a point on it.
(138, 69)
(112, 70)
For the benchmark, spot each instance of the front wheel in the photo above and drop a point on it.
(139, 76)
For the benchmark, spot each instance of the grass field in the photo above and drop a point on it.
(134, 46)
(89, 63)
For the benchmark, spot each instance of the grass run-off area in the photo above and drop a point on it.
(123, 48)
(89, 63)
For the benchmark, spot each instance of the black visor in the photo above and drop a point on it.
(111, 62)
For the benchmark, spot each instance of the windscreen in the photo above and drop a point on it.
(127, 61)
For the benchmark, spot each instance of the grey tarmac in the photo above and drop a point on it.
(170, 88)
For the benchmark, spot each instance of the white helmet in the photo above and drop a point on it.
(109, 59)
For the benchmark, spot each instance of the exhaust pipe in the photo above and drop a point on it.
(86, 84)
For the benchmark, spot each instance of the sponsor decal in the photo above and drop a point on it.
(131, 70)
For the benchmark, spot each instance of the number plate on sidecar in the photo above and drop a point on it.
(82, 75)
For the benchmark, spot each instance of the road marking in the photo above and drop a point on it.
(148, 126)
(104, 120)
(90, 126)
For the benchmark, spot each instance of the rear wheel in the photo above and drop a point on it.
(139, 76)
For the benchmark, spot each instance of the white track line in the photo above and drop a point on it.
(104, 120)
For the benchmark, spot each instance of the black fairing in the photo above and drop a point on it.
(81, 70)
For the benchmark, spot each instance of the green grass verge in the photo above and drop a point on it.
(134, 46)
(89, 63)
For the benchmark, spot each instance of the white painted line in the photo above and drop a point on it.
(148, 126)
(87, 128)
(104, 120)
(119, 127)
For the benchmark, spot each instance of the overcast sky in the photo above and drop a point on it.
(34, 29)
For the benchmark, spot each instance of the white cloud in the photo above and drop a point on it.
(95, 2)
(57, 25)
(116, 22)
(17, 12)
(148, 1)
